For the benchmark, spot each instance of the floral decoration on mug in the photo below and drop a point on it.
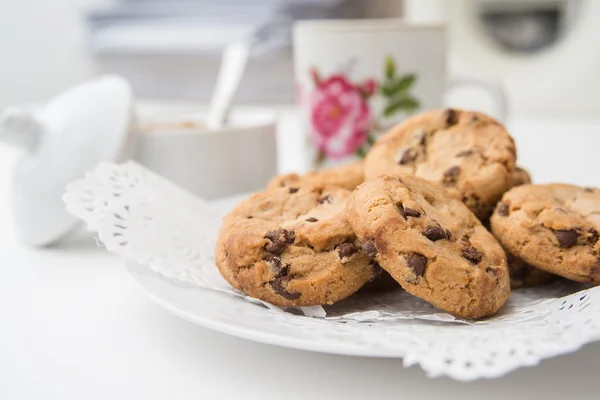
(341, 118)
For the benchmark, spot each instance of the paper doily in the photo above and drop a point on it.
(145, 218)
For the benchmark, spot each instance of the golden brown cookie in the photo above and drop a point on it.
(521, 273)
(552, 227)
(347, 176)
(293, 247)
(469, 153)
(519, 177)
(431, 244)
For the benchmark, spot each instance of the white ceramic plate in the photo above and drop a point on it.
(140, 216)
(234, 316)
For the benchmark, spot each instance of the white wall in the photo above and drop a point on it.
(41, 48)
(42, 51)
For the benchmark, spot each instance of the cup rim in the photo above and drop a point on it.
(260, 122)
(370, 24)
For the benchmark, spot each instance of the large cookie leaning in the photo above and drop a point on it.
(431, 244)
(293, 247)
(469, 153)
(552, 227)
(347, 176)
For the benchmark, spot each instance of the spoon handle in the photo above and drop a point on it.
(233, 65)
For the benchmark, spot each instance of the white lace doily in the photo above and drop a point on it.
(144, 218)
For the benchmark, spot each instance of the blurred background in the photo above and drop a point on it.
(76, 324)
(545, 52)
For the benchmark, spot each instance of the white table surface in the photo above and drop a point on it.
(75, 327)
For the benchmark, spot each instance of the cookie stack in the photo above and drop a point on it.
(414, 215)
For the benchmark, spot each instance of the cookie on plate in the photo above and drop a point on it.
(519, 177)
(469, 153)
(524, 275)
(293, 247)
(347, 176)
(431, 244)
(552, 227)
(521, 273)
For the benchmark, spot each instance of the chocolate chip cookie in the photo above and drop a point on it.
(431, 244)
(519, 177)
(552, 227)
(293, 247)
(468, 153)
(347, 176)
(521, 273)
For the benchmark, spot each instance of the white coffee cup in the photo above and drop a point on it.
(238, 158)
(356, 78)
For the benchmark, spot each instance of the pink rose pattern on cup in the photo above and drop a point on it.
(341, 118)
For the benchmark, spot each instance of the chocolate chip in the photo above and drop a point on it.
(451, 117)
(417, 263)
(474, 119)
(451, 174)
(566, 237)
(275, 265)
(593, 236)
(465, 153)
(408, 156)
(503, 209)
(278, 287)
(275, 247)
(293, 190)
(311, 219)
(369, 248)
(409, 212)
(346, 250)
(249, 217)
(589, 190)
(325, 199)
(279, 240)
(434, 233)
(401, 210)
(472, 254)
